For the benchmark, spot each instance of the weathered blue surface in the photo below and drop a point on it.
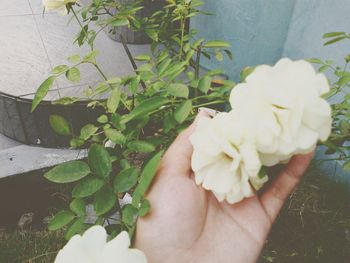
(263, 31)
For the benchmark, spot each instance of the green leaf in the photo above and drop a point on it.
(145, 107)
(104, 201)
(87, 187)
(76, 142)
(182, 111)
(60, 220)
(344, 80)
(145, 208)
(115, 136)
(143, 57)
(346, 166)
(141, 147)
(73, 74)
(125, 180)
(91, 57)
(87, 131)
(113, 101)
(118, 22)
(315, 61)
(217, 44)
(76, 228)
(66, 101)
(334, 40)
(178, 90)
(147, 176)
(129, 214)
(102, 119)
(169, 122)
(68, 172)
(59, 125)
(74, 59)
(59, 69)
(99, 160)
(42, 92)
(333, 34)
(246, 72)
(78, 206)
(204, 84)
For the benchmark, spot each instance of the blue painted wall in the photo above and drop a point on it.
(263, 31)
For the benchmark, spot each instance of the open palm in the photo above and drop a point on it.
(188, 224)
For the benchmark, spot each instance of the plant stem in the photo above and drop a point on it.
(81, 25)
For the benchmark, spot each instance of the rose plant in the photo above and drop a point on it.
(145, 111)
(142, 114)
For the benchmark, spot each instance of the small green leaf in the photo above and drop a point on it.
(60, 220)
(68, 172)
(129, 214)
(73, 74)
(334, 40)
(315, 61)
(76, 228)
(333, 34)
(74, 59)
(346, 166)
(59, 69)
(147, 176)
(76, 143)
(78, 206)
(343, 81)
(141, 147)
(143, 57)
(118, 22)
(87, 131)
(183, 111)
(103, 119)
(104, 201)
(217, 44)
(99, 160)
(60, 125)
(145, 107)
(113, 101)
(246, 72)
(66, 101)
(178, 90)
(125, 180)
(115, 136)
(145, 208)
(87, 187)
(204, 84)
(42, 92)
(91, 57)
(169, 122)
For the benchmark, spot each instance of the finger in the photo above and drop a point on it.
(276, 194)
(178, 156)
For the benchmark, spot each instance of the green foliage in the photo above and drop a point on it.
(59, 125)
(142, 112)
(68, 172)
(338, 143)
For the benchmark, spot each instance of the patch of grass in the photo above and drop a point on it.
(314, 225)
(30, 246)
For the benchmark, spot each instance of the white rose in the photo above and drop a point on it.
(283, 108)
(59, 6)
(93, 247)
(223, 161)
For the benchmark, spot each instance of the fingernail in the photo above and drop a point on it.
(209, 111)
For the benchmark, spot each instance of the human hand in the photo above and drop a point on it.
(188, 224)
